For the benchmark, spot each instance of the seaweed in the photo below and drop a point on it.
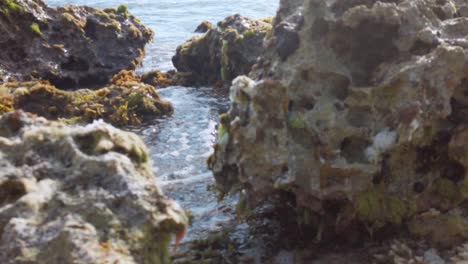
(123, 10)
(36, 29)
(9, 7)
(125, 102)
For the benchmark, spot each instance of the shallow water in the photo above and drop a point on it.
(180, 144)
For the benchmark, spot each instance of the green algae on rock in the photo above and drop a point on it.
(223, 52)
(71, 194)
(156, 78)
(356, 104)
(72, 47)
(125, 101)
(35, 28)
(9, 6)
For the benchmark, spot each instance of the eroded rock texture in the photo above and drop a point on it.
(359, 109)
(80, 195)
(224, 52)
(69, 46)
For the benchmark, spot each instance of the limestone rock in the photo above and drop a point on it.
(69, 46)
(80, 195)
(224, 52)
(358, 109)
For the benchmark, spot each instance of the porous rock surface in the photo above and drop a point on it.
(80, 195)
(358, 109)
(224, 52)
(70, 46)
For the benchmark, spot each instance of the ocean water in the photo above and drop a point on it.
(174, 21)
(181, 143)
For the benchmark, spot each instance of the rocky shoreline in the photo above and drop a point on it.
(345, 140)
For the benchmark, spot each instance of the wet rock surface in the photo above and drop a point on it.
(80, 195)
(358, 111)
(69, 46)
(160, 79)
(124, 101)
(224, 52)
(204, 27)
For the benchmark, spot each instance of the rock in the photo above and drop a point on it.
(72, 194)
(69, 46)
(462, 254)
(452, 229)
(204, 27)
(160, 79)
(224, 52)
(157, 79)
(286, 36)
(358, 110)
(125, 101)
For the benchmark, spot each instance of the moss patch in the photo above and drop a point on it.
(296, 121)
(446, 230)
(9, 7)
(123, 10)
(376, 208)
(35, 29)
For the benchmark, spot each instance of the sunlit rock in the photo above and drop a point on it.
(224, 52)
(80, 195)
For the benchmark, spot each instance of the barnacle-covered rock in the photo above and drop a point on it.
(359, 109)
(69, 46)
(125, 101)
(224, 52)
(71, 194)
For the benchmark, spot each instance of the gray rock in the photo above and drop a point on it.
(80, 195)
(286, 36)
(361, 105)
